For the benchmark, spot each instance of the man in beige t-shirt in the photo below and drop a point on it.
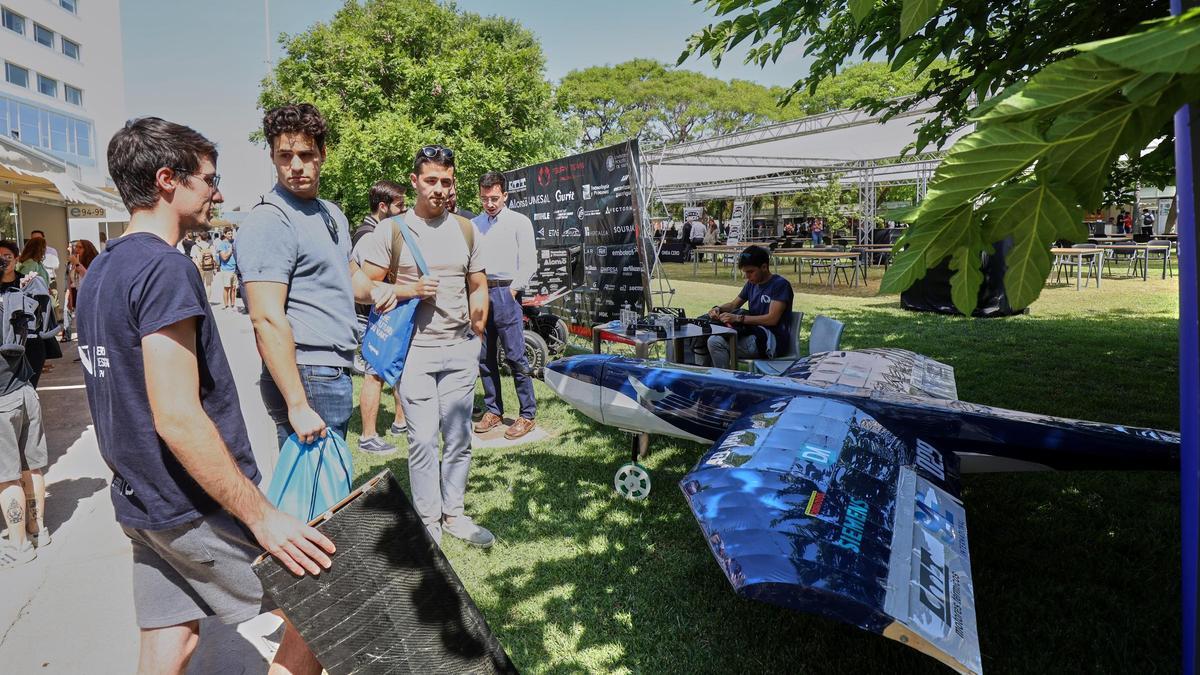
(438, 384)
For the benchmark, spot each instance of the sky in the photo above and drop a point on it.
(200, 62)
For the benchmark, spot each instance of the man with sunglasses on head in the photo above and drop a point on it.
(438, 384)
(167, 416)
(293, 257)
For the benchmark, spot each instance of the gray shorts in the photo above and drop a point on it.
(22, 440)
(196, 570)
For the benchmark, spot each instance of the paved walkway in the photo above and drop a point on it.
(71, 610)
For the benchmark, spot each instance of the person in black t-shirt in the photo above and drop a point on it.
(764, 327)
(387, 200)
(167, 416)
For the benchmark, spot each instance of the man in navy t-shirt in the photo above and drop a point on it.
(764, 328)
(167, 415)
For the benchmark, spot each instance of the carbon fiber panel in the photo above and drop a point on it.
(391, 602)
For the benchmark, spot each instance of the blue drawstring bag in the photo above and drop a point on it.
(385, 345)
(311, 477)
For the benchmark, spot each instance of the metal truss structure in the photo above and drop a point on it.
(863, 151)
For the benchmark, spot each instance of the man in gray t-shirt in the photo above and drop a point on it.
(438, 384)
(293, 255)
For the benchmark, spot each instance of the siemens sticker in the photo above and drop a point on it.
(853, 523)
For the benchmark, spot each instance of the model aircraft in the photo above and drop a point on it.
(834, 488)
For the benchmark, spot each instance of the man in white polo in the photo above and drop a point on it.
(510, 257)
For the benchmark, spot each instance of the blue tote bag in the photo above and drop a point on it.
(385, 345)
(311, 477)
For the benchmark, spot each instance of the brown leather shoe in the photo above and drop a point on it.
(488, 422)
(522, 426)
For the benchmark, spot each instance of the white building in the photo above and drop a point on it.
(63, 89)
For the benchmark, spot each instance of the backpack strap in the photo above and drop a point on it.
(468, 231)
(396, 249)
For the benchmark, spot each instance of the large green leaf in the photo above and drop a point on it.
(1084, 143)
(990, 155)
(915, 14)
(1169, 46)
(1028, 263)
(966, 261)
(1068, 83)
(913, 257)
(951, 233)
(1034, 214)
(861, 9)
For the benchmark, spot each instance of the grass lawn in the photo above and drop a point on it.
(1074, 572)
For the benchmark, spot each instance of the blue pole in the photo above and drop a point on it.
(1187, 154)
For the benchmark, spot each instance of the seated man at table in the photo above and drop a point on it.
(764, 326)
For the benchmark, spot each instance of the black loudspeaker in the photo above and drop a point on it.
(391, 602)
(932, 293)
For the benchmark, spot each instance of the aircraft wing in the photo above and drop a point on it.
(809, 503)
(885, 370)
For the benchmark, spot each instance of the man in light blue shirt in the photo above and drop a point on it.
(510, 258)
(228, 269)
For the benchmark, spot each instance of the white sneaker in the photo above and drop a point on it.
(41, 538)
(462, 527)
(11, 556)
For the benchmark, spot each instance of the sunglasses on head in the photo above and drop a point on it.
(432, 151)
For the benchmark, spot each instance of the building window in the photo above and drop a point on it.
(48, 85)
(70, 48)
(16, 74)
(67, 137)
(14, 22)
(68, 5)
(43, 35)
(74, 95)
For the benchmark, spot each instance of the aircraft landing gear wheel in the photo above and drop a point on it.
(632, 482)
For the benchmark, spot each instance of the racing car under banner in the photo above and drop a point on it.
(834, 488)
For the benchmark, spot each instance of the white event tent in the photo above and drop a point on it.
(788, 157)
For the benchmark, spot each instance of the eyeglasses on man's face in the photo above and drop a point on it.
(212, 181)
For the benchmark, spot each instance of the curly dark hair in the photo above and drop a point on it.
(294, 117)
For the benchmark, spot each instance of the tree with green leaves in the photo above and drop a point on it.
(964, 50)
(1055, 122)
(830, 201)
(1041, 154)
(661, 104)
(391, 76)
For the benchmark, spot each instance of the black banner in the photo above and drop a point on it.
(675, 251)
(584, 211)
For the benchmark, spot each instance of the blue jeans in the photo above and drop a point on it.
(505, 329)
(330, 393)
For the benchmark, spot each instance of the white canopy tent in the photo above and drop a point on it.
(788, 157)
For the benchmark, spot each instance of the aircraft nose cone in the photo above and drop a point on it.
(577, 380)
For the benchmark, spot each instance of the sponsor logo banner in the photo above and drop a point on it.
(585, 199)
